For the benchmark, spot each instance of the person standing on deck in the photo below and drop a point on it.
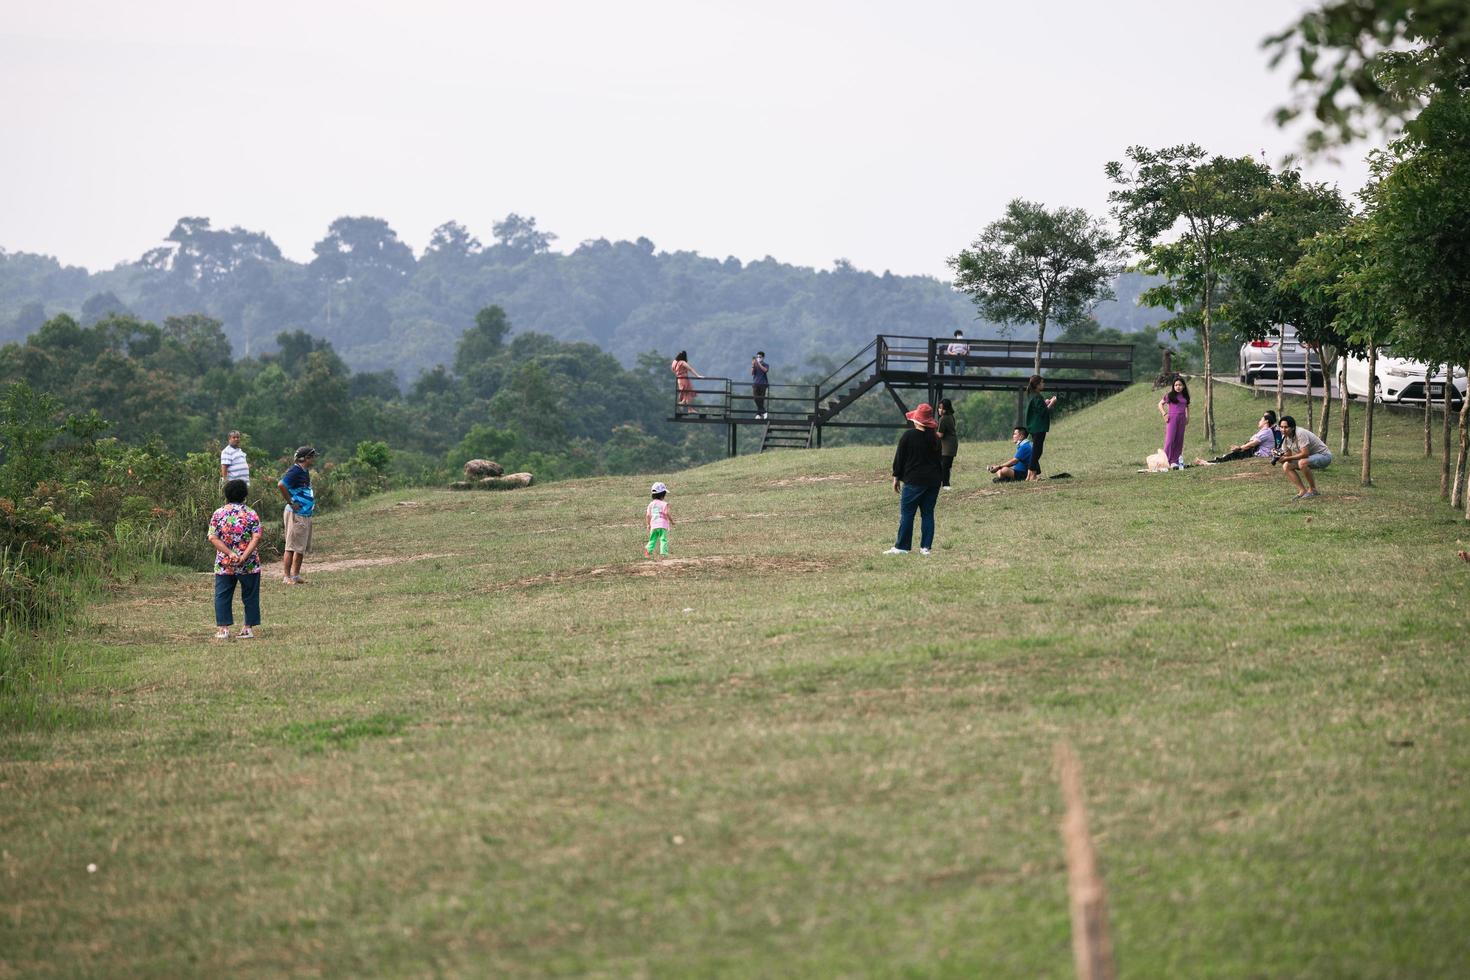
(760, 382)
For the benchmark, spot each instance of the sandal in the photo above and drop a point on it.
(245, 634)
(223, 633)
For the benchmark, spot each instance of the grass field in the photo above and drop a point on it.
(520, 748)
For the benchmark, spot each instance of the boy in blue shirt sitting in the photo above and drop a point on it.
(1018, 467)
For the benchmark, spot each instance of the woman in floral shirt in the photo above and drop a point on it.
(234, 530)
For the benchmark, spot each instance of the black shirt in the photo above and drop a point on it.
(916, 461)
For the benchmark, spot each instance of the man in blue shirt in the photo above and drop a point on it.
(1018, 467)
(295, 488)
(760, 381)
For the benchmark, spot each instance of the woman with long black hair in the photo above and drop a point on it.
(949, 441)
(1174, 407)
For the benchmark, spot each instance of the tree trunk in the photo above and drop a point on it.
(1368, 421)
(1040, 336)
(1457, 489)
(1209, 365)
(1343, 394)
(1326, 363)
(1428, 404)
(1280, 381)
(1444, 435)
(1311, 420)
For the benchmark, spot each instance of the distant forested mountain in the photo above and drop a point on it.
(383, 308)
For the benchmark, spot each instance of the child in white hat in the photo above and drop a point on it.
(658, 520)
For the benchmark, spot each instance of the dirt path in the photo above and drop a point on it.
(343, 564)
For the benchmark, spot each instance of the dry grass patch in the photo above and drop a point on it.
(672, 566)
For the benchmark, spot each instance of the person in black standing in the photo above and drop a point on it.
(949, 441)
(760, 381)
(916, 476)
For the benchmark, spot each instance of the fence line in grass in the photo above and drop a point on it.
(1092, 945)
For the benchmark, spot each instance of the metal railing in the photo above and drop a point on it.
(904, 360)
(726, 398)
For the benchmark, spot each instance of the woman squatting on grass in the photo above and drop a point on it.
(234, 530)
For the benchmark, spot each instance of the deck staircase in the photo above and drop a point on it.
(787, 434)
(834, 405)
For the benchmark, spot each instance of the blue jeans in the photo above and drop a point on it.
(921, 499)
(224, 598)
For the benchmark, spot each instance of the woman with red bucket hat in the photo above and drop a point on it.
(917, 474)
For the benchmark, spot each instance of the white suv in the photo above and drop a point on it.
(1399, 380)
(1258, 357)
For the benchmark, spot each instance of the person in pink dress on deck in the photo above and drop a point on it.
(682, 370)
(1174, 407)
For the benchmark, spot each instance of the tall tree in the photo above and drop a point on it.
(1310, 291)
(1370, 64)
(482, 341)
(521, 234)
(1258, 296)
(454, 240)
(1420, 201)
(361, 248)
(1367, 314)
(1181, 210)
(1037, 265)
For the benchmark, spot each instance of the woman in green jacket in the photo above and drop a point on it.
(1038, 419)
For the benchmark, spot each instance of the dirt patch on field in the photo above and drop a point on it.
(799, 480)
(627, 524)
(1013, 486)
(1262, 474)
(343, 564)
(652, 568)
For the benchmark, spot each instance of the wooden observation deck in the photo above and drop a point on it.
(901, 365)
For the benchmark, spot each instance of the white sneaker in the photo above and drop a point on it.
(895, 551)
(923, 551)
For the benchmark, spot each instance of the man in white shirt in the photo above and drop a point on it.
(232, 462)
(957, 351)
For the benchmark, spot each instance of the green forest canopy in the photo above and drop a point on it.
(383, 308)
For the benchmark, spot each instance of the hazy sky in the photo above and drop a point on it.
(884, 133)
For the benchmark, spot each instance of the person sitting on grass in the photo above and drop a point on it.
(1018, 467)
(234, 530)
(1301, 453)
(1259, 446)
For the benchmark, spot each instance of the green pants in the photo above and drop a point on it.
(658, 536)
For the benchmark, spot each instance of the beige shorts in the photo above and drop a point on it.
(298, 532)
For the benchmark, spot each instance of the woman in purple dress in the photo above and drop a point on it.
(1174, 407)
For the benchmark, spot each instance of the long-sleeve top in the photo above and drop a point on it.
(916, 461)
(1038, 416)
(949, 437)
